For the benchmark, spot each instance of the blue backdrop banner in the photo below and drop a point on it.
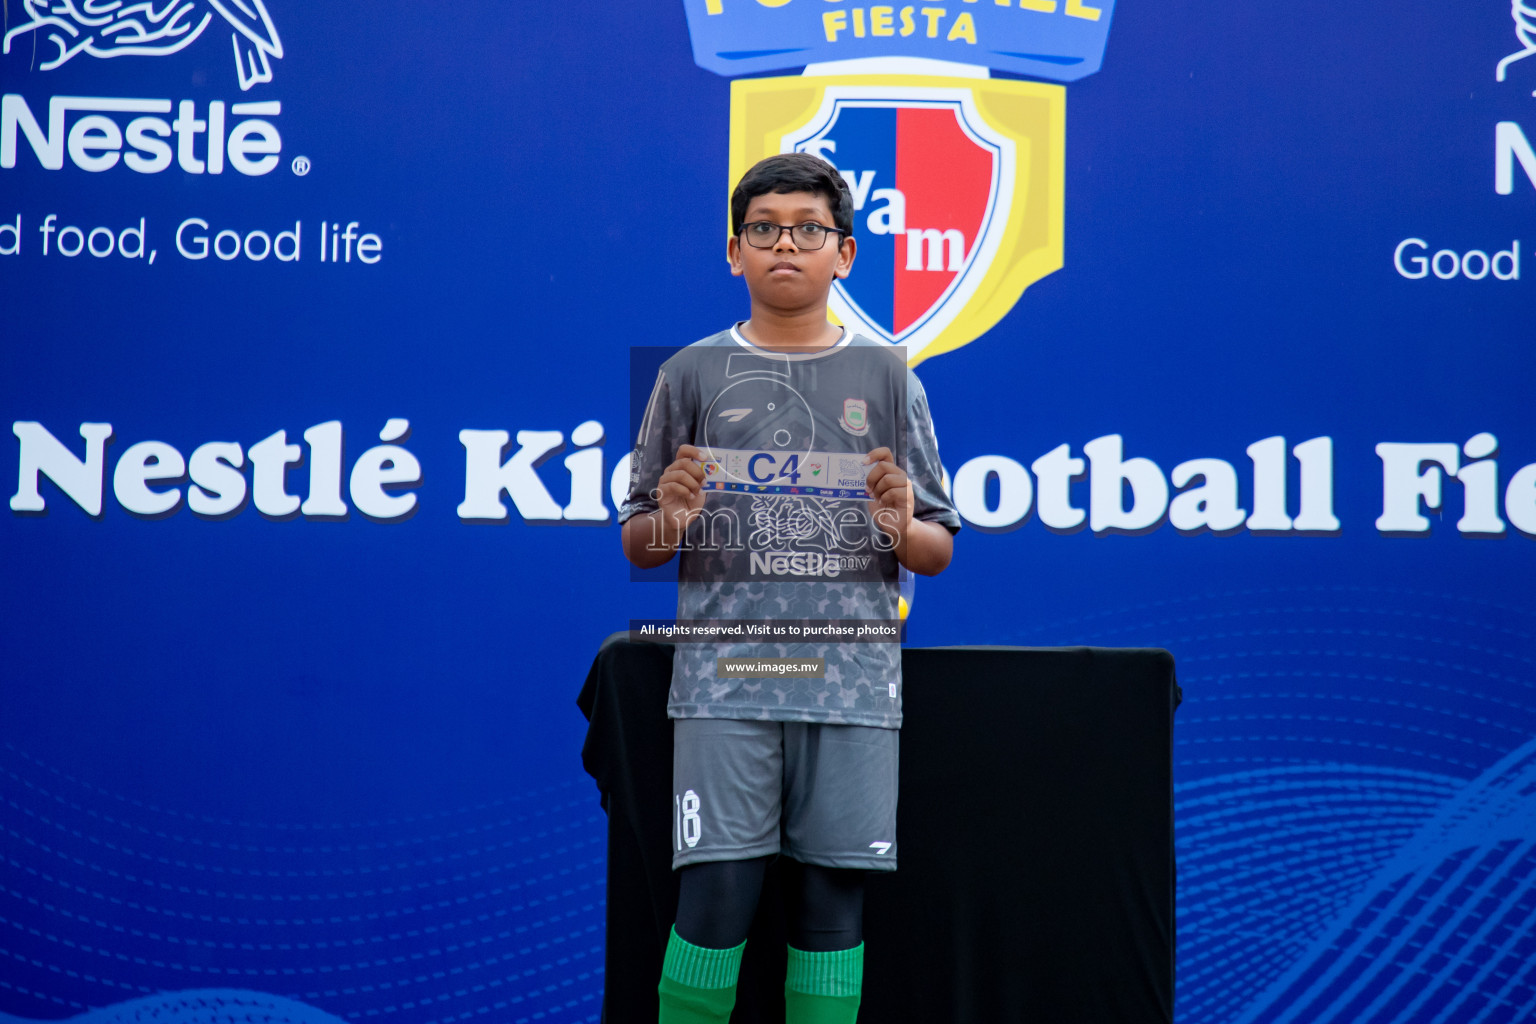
(315, 354)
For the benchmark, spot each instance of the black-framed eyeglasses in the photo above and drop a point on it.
(810, 236)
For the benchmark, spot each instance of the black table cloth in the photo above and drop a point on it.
(1036, 878)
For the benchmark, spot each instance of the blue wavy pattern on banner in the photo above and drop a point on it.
(199, 1006)
(1356, 834)
(496, 908)
(1355, 805)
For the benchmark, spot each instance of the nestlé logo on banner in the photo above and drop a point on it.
(143, 134)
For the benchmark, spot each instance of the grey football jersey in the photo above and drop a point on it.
(778, 544)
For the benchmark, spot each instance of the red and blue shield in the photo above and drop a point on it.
(956, 187)
(926, 173)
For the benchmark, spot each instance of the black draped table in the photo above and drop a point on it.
(1035, 827)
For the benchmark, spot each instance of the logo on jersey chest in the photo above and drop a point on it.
(855, 418)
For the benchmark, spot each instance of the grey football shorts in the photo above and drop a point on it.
(822, 794)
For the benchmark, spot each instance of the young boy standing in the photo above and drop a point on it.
(731, 467)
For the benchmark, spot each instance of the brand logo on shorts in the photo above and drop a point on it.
(880, 848)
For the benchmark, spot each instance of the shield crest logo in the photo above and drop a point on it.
(957, 185)
(855, 419)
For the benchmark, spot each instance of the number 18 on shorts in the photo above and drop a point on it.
(822, 794)
(687, 819)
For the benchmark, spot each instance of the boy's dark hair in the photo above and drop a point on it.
(794, 172)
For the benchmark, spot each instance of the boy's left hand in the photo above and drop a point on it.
(892, 495)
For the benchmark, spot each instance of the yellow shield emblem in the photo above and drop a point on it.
(957, 186)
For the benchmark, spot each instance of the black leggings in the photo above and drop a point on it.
(717, 901)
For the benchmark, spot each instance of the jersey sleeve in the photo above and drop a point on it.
(930, 503)
(663, 428)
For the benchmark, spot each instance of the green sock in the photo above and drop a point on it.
(823, 988)
(698, 985)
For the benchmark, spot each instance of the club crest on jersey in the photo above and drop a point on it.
(855, 417)
(957, 186)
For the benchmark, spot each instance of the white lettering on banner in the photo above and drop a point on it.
(218, 486)
(43, 454)
(1407, 478)
(1211, 506)
(368, 245)
(586, 468)
(385, 465)
(859, 182)
(1316, 515)
(945, 248)
(1413, 476)
(1125, 494)
(938, 243)
(1015, 493)
(1269, 503)
(486, 476)
(618, 480)
(194, 243)
(324, 471)
(1108, 477)
(1207, 498)
(1056, 470)
(197, 240)
(890, 219)
(95, 142)
(1480, 483)
(1509, 145)
(145, 461)
(1410, 261)
(270, 459)
(99, 241)
(1520, 500)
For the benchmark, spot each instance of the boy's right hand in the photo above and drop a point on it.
(680, 494)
